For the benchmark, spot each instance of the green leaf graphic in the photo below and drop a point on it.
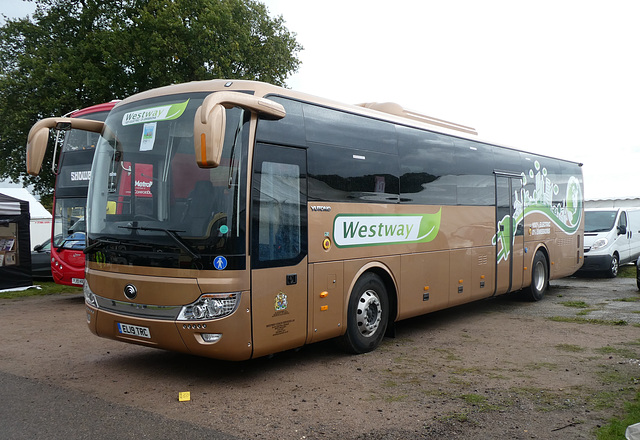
(176, 110)
(429, 226)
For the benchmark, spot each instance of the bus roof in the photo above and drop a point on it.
(390, 112)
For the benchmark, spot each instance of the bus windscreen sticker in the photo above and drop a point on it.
(155, 114)
(351, 230)
(148, 136)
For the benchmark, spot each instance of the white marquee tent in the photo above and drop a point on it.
(41, 219)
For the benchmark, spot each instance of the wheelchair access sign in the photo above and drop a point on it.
(220, 263)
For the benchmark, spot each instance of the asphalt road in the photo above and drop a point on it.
(33, 410)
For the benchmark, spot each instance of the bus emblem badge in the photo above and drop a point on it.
(281, 302)
(130, 291)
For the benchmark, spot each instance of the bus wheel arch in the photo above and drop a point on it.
(371, 309)
(540, 274)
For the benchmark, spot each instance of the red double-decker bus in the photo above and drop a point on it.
(72, 166)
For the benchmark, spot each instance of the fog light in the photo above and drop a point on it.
(211, 337)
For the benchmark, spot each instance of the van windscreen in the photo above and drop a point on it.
(599, 221)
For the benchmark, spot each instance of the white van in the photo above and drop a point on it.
(611, 238)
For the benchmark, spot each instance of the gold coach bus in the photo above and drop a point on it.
(234, 219)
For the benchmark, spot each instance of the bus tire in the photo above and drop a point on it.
(367, 315)
(539, 277)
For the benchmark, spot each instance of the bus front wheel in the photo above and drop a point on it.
(539, 277)
(367, 315)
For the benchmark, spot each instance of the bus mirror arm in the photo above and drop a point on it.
(39, 136)
(262, 106)
(210, 122)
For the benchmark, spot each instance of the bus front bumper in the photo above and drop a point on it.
(232, 340)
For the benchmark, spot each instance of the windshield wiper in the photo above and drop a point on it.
(99, 242)
(171, 233)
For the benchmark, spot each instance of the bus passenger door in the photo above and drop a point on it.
(278, 249)
(509, 240)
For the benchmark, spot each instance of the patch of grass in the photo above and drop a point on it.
(577, 320)
(545, 400)
(399, 398)
(570, 348)
(457, 416)
(458, 381)
(541, 365)
(46, 288)
(448, 355)
(389, 384)
(629, 299)
(616, 428)
(474, 399)
(497, 376)
(576, 304)
(609, 376)
(627, 271)
(435, 393)
(604, 399)
(622, 352)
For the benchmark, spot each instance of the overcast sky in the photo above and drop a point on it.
(554, 77)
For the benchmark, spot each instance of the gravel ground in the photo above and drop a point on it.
(499, 369)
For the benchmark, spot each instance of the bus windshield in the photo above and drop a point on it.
(69, 226)
(599, 221)
(151, 205)
(74, 173)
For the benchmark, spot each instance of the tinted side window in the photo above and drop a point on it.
(279, 206)
(351, 158)
(508, 161)
(342, 174)
(332, 127)
(427, 167)
(476, 182)
(286, 131)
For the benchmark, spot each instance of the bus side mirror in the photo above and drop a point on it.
(37, 144)
(39, 136)
(622, 230)
(210, 122)
(208, 135)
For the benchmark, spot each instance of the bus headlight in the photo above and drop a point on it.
(210, 306)
(89, 296)
(600, 243)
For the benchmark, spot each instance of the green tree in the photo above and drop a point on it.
(76, 53)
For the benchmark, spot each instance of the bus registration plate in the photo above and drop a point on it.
(134, 330)
(77, 281)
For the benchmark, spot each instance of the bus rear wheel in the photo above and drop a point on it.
(539, 278)
(367, 315)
